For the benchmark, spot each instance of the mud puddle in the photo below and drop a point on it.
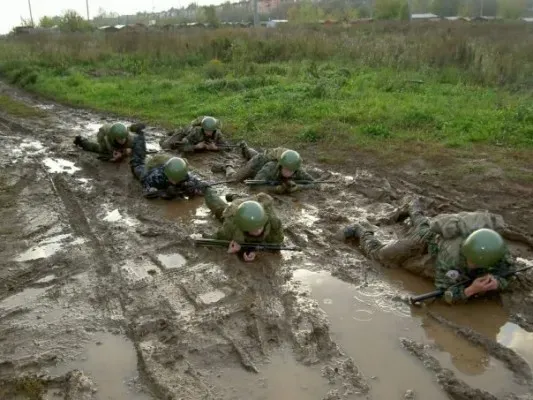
(172, 261)
(111, 363)
(58, 165)
(368, 328)
(48, 247)
(282, 378)
(115, 216)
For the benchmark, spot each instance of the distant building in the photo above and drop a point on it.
(274, 22)
(425, 17)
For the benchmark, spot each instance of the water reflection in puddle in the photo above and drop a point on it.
(282, 378)
(111, 362)
(48, 247)
(20, 299)
(58, 165)
(115, 216)
(369, 333)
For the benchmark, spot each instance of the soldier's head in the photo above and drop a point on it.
(119, 133)
(289, 162)
(483, 248)
(175, 170)
(209, 126)
(251, 217)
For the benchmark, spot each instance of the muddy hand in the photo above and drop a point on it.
(200, 146)
(249, 256)
(479, 285)
(234, 247)
(212, 146)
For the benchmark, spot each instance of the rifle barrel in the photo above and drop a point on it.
(258, 246)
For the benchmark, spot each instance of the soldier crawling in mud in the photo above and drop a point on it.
(113, 141)
(273, 165)
(163, 175)
(458, 247)
(246, 220)
(202, 134)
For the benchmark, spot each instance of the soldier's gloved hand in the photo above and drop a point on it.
(234, 247)
(248, 257)
(280, 189)
(151, 193)
(292, 186)
(117, 156)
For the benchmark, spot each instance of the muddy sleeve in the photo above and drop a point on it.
(219, 138)
(444, 264)
(276, 234)
(505, 265)
(192, 139)
(155, 181)
(103, 142)
(229, 231)
(301, 175)
(138, 156)
(267, 172)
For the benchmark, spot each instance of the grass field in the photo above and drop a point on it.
(382, 87)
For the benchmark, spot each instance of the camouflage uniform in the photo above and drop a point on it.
(273, 232)
(185, 139)
(441, 250)
(264, 166)
(152, 176)
(104, 145)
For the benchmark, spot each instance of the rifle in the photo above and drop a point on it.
(246, 246)
(174, 191)
(440, 292)
(253, 182)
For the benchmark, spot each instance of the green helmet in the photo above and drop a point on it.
(291, 160)
(250, 216)
(118, 131)
(176, 169)
(484, 247)
(209, 124)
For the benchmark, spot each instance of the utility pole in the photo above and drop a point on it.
(481, 9)
(87, 4)
(31, 15)
(256, 15)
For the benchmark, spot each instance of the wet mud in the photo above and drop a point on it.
(104, 295)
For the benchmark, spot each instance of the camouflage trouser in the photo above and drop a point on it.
(138, 156)
(250, 169)
(419, 241)
(215, 203)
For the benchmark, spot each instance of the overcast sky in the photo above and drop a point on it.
(10, 15)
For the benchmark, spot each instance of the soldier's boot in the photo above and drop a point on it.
(246, 151)
(78, 140)
(137, 128)
(355, 231)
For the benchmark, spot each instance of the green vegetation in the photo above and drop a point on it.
(18, 109)
(377, 86)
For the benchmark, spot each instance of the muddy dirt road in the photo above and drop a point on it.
(103, 297)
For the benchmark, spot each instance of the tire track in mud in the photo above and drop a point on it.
(213, 314)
